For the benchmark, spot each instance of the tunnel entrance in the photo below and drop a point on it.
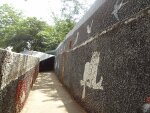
(47, 64)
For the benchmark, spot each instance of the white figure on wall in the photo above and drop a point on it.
(90, 74)
(76, 40)
(117, 7)
(89, 28)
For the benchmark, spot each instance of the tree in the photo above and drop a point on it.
(17, 31)
(9, 17)
(33, 31)
(62, 25)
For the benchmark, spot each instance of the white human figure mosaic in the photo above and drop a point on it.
(89, 28)
(76, 38)
(117, 7)
(90, 74)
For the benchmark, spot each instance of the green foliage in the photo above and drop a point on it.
(30, 30)
(71, 9)
(8, 16)
(17, 31)
(61, 28)
(8, 20)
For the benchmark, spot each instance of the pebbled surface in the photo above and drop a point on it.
(123, 67)
(17, 73)
(102, 15)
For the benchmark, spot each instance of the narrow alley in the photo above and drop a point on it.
(49, 96)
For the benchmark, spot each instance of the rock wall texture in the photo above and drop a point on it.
(17, 74)
(106, 67)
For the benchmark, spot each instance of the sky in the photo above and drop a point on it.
(40, 8)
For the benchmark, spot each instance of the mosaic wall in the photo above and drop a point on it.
(17, 74)
(107, 70)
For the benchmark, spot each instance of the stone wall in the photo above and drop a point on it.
(17, 74)
(102, 15)
(106, 67)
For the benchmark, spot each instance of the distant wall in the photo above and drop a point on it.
(107, 66)
(17, 74)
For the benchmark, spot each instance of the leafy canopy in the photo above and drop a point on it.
(18, 31)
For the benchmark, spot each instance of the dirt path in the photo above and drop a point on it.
(48, 96)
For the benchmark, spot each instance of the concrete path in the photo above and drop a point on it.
(49, 96)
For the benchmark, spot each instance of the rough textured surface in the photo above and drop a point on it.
(101, 16)
(117, 58)
(17, 74)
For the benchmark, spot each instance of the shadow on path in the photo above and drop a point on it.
(49, 96)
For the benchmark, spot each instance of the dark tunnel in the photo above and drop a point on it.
(47, 64)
